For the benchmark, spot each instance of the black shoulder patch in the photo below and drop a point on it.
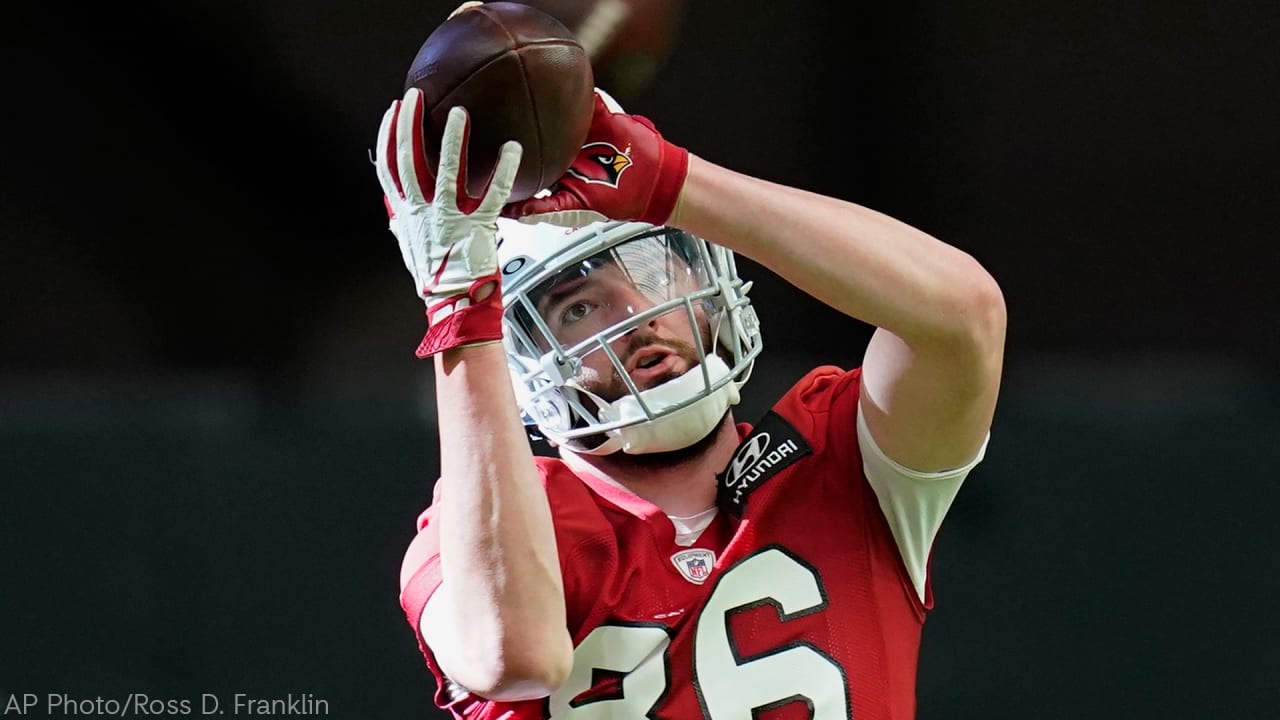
(772, 445)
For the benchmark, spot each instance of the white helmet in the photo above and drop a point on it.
(556, 315)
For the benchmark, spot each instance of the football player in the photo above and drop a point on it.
(672, 560)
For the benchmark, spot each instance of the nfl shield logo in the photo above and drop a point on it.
(695, 565)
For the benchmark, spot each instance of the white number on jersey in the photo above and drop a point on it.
(638, 651)
(731, 687)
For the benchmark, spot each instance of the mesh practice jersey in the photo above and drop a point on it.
(794, 603)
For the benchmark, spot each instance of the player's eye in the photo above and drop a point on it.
(576, 311)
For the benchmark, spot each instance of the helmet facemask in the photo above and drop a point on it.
(626, 336)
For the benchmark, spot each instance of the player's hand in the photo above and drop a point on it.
(447, 238)
(625, 171)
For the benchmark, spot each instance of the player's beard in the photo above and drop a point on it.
(614, 387)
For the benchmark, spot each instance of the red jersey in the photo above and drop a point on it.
(793, 603)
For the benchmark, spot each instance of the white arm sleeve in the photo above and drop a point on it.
(913, 502)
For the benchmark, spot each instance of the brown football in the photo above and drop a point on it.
(521, 75)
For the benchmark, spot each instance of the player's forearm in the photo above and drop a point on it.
(859, 261)
(497, 546)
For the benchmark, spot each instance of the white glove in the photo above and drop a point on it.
(448, 239)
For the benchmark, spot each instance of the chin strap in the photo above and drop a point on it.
(677, 430)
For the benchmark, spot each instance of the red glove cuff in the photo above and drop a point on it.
(471, 321)
(673, 168)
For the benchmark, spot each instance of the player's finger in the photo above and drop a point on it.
(563, 207)
(414, 173)
(385, 153)
(453, 154)
(504, 177)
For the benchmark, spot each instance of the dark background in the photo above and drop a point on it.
(214, 438)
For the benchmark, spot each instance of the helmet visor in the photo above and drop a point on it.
(598, 298)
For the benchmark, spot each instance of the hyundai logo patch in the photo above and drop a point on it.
(772, 445)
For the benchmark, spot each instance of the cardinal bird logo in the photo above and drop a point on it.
(605, 164)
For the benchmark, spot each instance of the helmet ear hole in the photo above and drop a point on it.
(539, 402)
